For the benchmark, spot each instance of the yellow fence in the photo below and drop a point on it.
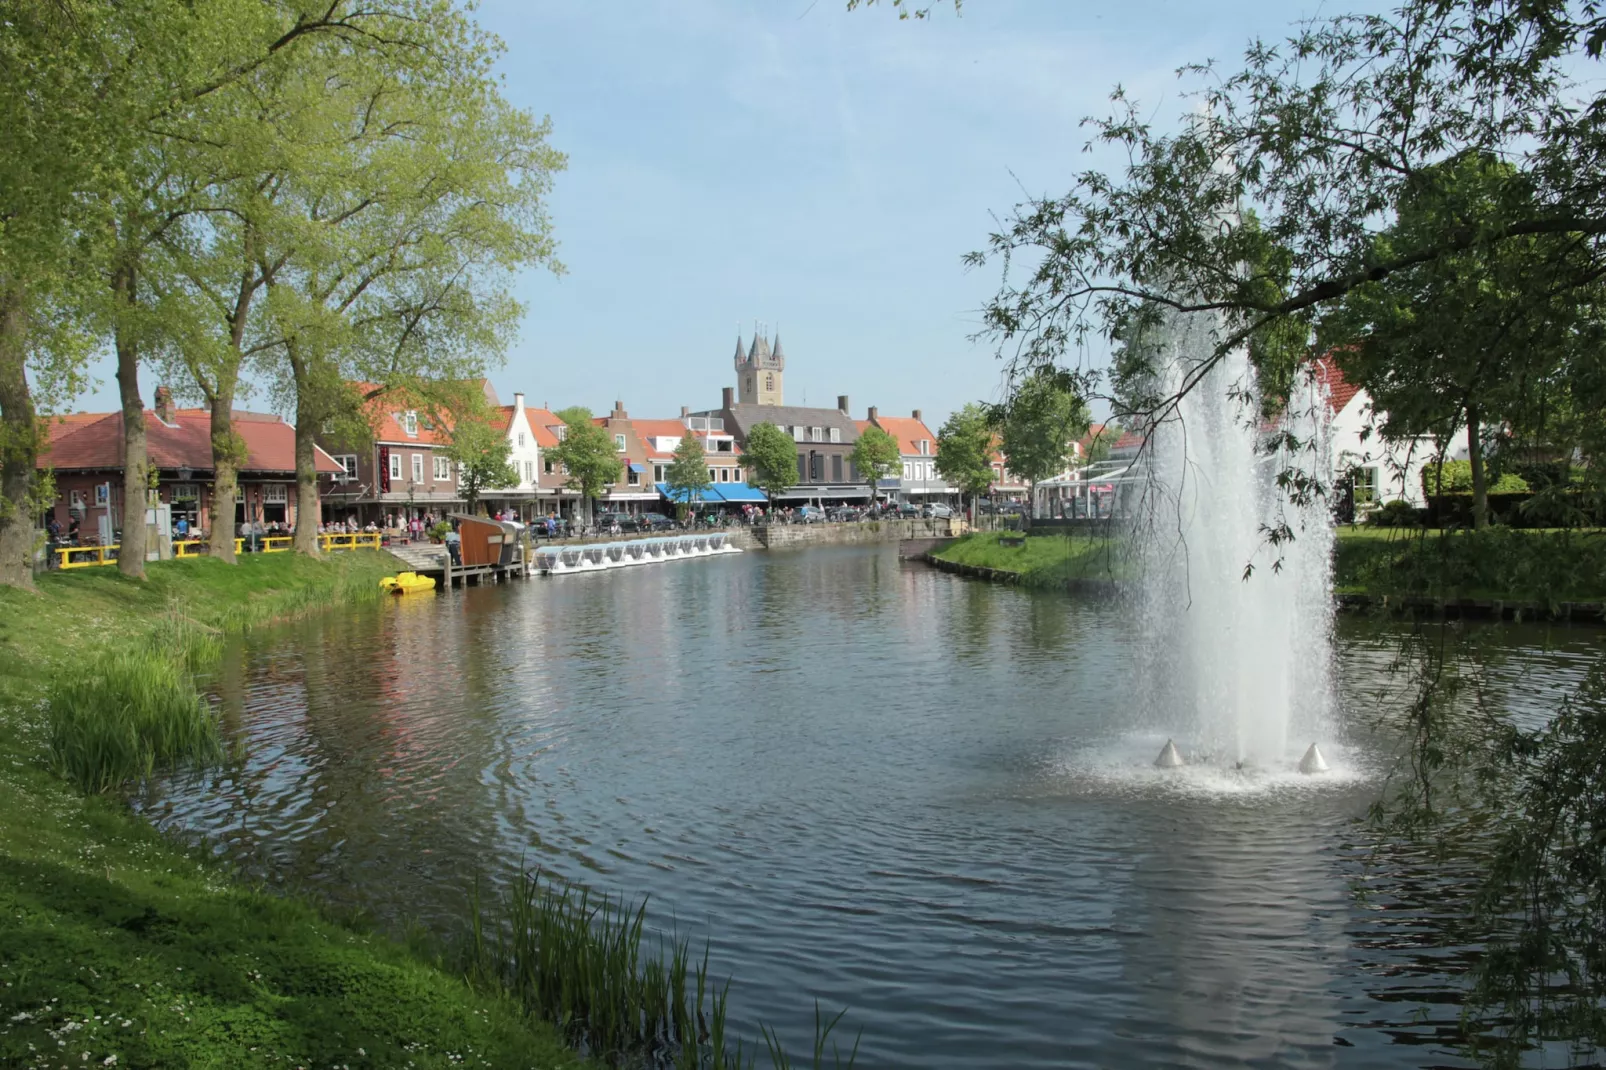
(91, 556)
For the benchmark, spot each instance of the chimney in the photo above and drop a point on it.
(917, 415)
(842, 403)
(164, 405)
(518, 401)
(728, 395)
(870, 415)
(685, 411)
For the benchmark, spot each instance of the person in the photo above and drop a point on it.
(454, 546)
(181, 528)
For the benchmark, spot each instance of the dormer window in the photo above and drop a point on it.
(797, 432)
(925, 447)
(560, 431)
(410, 423)
(836, 434)
(816, 434)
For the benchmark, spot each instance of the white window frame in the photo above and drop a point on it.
(103, 493)
(836, 434)
(418, 468)
(925, 447)
(348, 467)
(395, 465)
(521, 440)
(184, 492)
(816, 434)
(798, 434)
(275, 494)
(619, 443)
(443, 469)
(410, 423)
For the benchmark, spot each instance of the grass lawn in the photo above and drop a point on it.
(118, 948)
(1545, 567)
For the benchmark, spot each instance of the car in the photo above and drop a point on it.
(937, 511)
(653, 522)
(844, 514)
(810, 514)
(906, 511)
(615, 522)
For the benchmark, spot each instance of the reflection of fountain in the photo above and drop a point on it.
(1238, 661)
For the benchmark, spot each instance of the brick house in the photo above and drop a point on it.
(824, 438)
(85, 452)
(663, 437)
(635, 491)
(402, 473)
(917, 446)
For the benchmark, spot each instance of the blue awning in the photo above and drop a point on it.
(634, 467)
(740, 492)
(709, 495)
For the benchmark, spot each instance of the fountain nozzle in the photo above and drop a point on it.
(1170, 757)
(1313, 762)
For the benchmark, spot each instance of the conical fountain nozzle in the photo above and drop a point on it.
(1170, 757)
(1313, 762)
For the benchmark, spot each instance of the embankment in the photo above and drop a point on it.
(799, 536)
(118, 948)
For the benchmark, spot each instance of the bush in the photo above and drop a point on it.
(1458, 480)
(1396, 514)
(126, 716)
(440, 531)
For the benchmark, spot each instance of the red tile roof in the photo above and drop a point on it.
(1340, 391)
(542, 421)
(95, 441)
(908, 431)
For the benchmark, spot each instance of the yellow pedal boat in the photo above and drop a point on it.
(407, 583)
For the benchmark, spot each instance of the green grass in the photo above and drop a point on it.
(1543, 567)
(115, 942)
(1042, 560)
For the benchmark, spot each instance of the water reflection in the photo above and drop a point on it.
(866, 782)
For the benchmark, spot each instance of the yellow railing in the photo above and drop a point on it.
(266, 544)
(349, 540)
(188, 547)
(86, 556)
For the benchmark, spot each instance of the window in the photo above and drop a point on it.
(802, 473)
(619, 443)
(103, 493)
(750, 385)
(797, 433)
(713, 475)
(816, 434)
(635, 477)
(347, 463)
(275, 494)
(657, 473)
(769, 380)
(395, 466)
(925, 447)
(1364, 483)
(443, 469)
(521, 440)
(836, 467)
(906, 470)
(724, 445)
(418, 468)
(836, 434)
(560, 430)
(546, 466)
(190, 492)
(529, 471)
(410, 423)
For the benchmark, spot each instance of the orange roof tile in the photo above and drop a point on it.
(908, 431)
(95, 441)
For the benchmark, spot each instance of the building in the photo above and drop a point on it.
(760, 375)
(919, 482)
(824, 438)
(403, 472)
(85, 453)
(552, 495)
(1006, 485)
(635, 492)
(524, 455)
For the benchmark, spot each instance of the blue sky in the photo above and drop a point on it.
(821, 171)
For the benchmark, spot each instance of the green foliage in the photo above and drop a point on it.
(1544, 567)
(965, 450)
(770, 457)
(687, 475)
(123, 716)
(876, 455)
(481, 453)
(1042, 560)
(1455, 477)
(1041, 423)
(1397, 513)
(588, 452)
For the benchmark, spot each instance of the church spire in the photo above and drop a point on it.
(740, 356)
(778, 357)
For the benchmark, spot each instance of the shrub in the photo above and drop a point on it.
(1398, 513)
(1458, 480)
(440, 531)
(124, 717)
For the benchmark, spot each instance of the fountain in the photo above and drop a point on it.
(1235, 661)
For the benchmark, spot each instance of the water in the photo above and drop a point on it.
(927, 799)
(1238, 671)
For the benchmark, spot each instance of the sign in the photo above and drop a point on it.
(384, 469)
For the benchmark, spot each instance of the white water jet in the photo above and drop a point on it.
(1235, 661)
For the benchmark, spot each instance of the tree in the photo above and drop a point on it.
(587, 454)
(482, 455)
(965, 451)
(687, 475)
(1040, 424)
(876, 455)
(770, 457)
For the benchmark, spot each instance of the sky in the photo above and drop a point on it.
(819, 171)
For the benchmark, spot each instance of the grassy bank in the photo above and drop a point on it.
(119, 949)
(1544, 567)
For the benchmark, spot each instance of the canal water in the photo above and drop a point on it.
(864, 782)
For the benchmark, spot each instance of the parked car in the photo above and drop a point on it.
(614, 523)
(810, 514)
(654, 522)
(907, 511)
(844, 514)
(937, 511)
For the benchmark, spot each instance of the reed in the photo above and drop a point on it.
(124, 716)
(582, 961)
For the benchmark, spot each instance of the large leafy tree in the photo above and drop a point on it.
(965, 451)
(876, 456)
(587, 453)
(1040, 425)
(687, 475)
(770, 457)
(481, 452)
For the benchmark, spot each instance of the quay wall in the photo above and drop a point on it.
(798, 536)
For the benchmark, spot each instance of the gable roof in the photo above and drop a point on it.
(386, 410)
(908, 431)
(542, 421)
(95, 441)
(1340, 391)
(746, 417)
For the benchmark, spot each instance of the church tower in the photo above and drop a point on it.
(759, 372)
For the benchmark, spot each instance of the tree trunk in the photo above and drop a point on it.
(225, 473)
(308, 511)
(19, 445)
(1480, 488)
(131, 552)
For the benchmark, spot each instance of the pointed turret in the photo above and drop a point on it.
(740, 356)
(760, 350)
(778, 358)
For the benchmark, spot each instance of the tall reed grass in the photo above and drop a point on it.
(124, 716)
(582, 961)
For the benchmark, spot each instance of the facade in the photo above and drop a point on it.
(824, 439)
(85, 452)
(402, 473)
(524, 454)
(551, 495)
(760, 374)
(635, 492)
(1006, 485)
(662, 437)
(919, 482)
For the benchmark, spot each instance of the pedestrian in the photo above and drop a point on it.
(454, 544)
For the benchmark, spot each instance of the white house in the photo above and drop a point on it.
(1382, 471)
(524, 456)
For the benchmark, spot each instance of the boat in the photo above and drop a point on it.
(407, 583)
